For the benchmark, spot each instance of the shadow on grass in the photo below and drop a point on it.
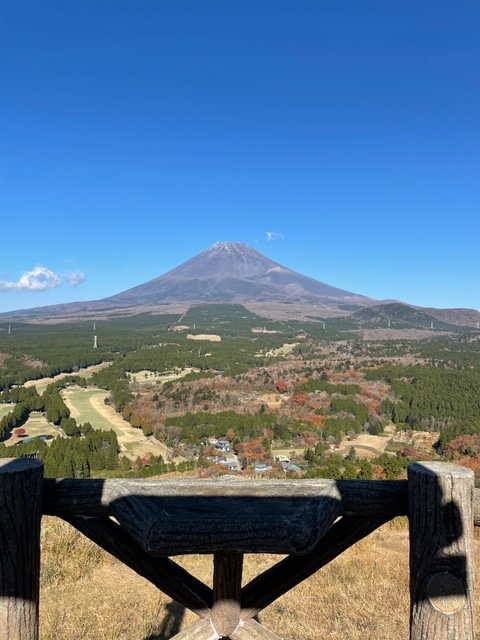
(170, 624)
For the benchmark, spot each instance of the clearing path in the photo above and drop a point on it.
(87, 372)
(147, 377)
(366, 446)
(5, 409)
(88, 405)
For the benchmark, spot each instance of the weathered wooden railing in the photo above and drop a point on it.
(144, 522)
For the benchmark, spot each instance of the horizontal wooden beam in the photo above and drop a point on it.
(94, 497)
(192, 515)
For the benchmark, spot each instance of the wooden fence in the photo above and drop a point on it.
(143, 523)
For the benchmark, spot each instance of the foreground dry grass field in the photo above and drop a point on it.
(362, 595)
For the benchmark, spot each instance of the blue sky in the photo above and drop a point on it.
(340, 138)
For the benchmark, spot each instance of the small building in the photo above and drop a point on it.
(289, 467)
(231, 464)
(223, 445)
(260, 467)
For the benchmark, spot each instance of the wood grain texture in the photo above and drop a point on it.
(198, 630)
(227, 585)
(246, 523)
(311, 520)
(229, 515)
(252, 630)
(94, 497)
(441, 551)
(21, 482)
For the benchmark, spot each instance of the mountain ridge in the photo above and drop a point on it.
(235, 272)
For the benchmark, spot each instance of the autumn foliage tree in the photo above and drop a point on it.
(300, 398)
(251, 452)
(468, 445)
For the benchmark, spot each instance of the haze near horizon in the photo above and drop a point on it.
(340, 140)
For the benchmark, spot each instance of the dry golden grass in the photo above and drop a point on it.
(86, 594)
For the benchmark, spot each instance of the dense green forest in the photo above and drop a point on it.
(334, 384)
(71, 457)
(139, 342)
(432, 397)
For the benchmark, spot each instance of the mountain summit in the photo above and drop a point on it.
(235, 272)
(229, 271)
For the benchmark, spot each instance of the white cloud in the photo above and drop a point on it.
(273, 235)
(75, 277)
(40, 279)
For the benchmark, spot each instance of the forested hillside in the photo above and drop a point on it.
(273, 390)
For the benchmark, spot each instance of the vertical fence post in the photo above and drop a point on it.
(441, 551)
(227, 584)
(20, 515)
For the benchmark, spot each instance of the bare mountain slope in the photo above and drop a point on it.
(461, 317)
(234, 271)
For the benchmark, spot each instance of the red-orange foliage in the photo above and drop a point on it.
(316, 419)
(373, 406)
(19, 431)
(378, 472)
(300, 398)
(472, 463)
(252, 451)
(281, 386)
(464, 446)
(408, 451)
(213, 471)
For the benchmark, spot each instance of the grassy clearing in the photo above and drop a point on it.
(147, 377)
(287, 451)
(362, 595)
(36, 425)
(280, 351)
(88, 405)
(43, 383)
(83, 407)
(4, 409)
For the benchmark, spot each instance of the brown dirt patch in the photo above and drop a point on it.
(272, 400)
(3, 357)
